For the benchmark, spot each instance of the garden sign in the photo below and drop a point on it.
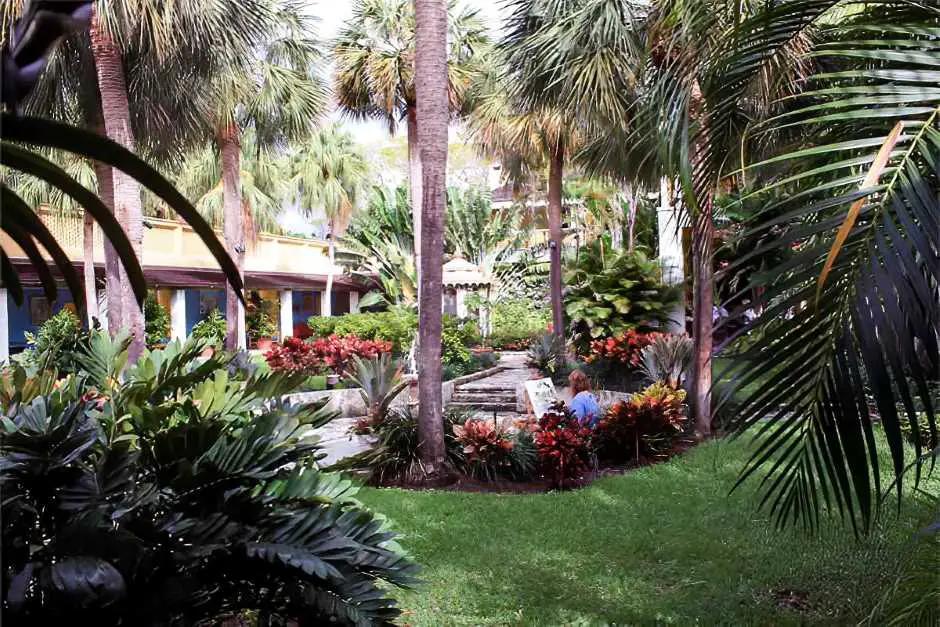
(541, 395)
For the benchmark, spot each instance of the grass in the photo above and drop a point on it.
(666, 544)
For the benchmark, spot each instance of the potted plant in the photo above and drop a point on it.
(211, 329)
(260, 322)
(156, 322)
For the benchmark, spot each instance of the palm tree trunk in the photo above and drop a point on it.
(230, 149)
(88, 268)
(703, 304)
(127, 203)
(431, 88)
(555, 167)
(331, 248)
(631, 222)
(112, 265)
(414, 185)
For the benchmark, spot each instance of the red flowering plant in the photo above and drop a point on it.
(329, 354)
(645, 426)
(487, 447)
(624, 348)
(563, 445)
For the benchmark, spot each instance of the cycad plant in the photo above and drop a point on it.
(180, 496)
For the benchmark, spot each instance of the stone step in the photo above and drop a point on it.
(484, 397)
(489, 407)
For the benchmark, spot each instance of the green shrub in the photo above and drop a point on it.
(156, 321)
(397, 326)
(515, 322)
(610, 292)
(211, 329)
(56, 343)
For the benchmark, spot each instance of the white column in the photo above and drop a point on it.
(287, 313)
(242, 332)
(670, 251)
(103, 309)
(461, 302)
(326, 304)
(4, 327)
(178, 315)
(354, 302)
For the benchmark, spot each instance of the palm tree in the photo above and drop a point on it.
(264, 179)
(27, 142)
(140, 46)
(505, 127)
(432, 89)
(374, 76)
(272, 88)
(329, 173)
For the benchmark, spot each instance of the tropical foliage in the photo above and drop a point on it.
(156, 321)
(211, 329)
(563, 445)
(180, 494)
(667, 359)
(643, 427)
(613, 291)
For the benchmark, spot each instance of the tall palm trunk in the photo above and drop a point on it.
(112, 264)
(432, 118)
(703, 304)
(555, 167)
(127, 203)
(327, 307)
(415, 184)
(230, 149)
(88, 267)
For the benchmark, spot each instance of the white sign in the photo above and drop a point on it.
(541, 395)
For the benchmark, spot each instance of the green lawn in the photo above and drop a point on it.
(662, 545)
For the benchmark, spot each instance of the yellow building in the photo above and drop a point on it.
(288, 271)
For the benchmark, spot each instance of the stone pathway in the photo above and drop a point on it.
(495, 393)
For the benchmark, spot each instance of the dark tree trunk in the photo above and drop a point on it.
(415, 185)
(432, 119)
(112, 265)
(88, 268)
(556, 239)
(127, 204)
(230, 149)
(702, 306)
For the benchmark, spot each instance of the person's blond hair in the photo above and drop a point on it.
(579, 382)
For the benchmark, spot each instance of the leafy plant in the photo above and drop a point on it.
(398, 326)
(667, 358)
(613, 291)
(260, 320)
(56, 343)
(486, 446)
(179, 496)
(379, 381)
(546, 354)
(644, 426)
(562, 444)
(156, 321)
(211, 329)
(625, 348)
(516, 322)
(330, 354)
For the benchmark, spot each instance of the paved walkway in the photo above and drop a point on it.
(338, 442)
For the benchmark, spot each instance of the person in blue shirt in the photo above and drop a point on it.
(583, 403)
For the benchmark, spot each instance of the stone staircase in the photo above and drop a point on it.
(495, 393)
